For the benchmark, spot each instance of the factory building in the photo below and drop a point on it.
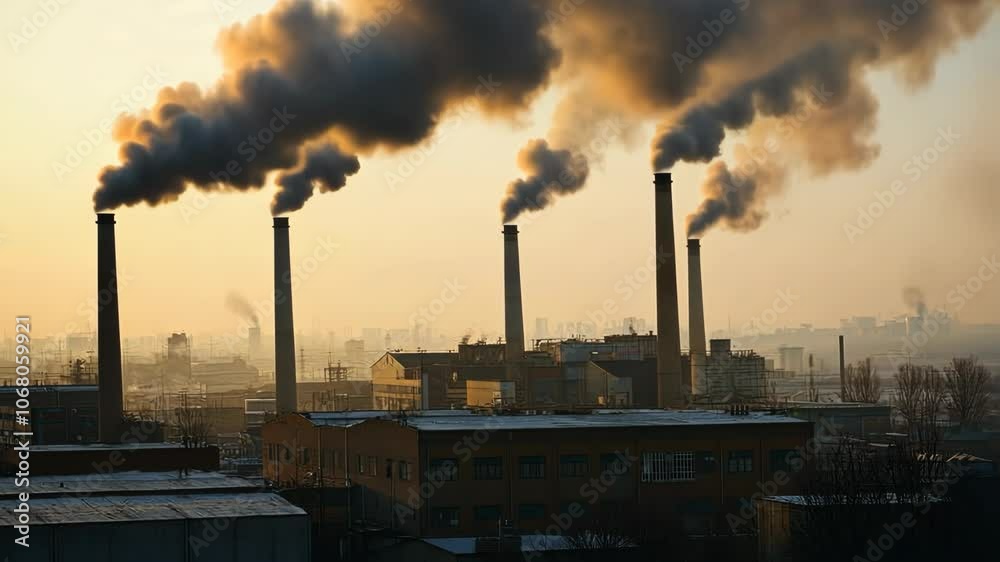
(456, 474)
(59, 414)
(155, 517)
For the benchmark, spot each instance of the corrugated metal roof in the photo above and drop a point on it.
(599, 419)
(121, 483)
(119, 509)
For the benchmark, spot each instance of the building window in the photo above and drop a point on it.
(667, 467)
(373, 465)
(487, 468)
(531, 512)
(487, 513)
(573, 466)
(740, 461)
(361, 464)
(614, 464)
(444, 517)
(782, 459)
(388, 468)
(443, 470)
(531, 468)
(404, 470)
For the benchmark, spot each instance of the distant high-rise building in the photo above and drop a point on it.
(541, 328)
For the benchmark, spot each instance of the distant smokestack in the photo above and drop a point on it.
(843, 370)
(668, 337)
(109, 345)
(696, 313)
(284, 327)
(513, 313)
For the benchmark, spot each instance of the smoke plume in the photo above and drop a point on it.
(240, 306)
(379, 75)
(325, 167)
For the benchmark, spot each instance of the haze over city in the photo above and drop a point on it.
(400, 238)
(442, 280)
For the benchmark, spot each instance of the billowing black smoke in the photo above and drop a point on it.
(324, 167)
(380, 74)
(370, 75)
(550, 173)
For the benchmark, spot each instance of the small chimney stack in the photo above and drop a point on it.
(843, 371)
(668, 338)
(696, 314)
(109, 345)
(284, 327)
(513, 310)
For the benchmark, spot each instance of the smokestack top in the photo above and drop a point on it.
(663, 181)
(105, 218)
(694, 246)
(280, 222)
(510, 229)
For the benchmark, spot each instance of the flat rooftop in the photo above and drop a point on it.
(122, 509)
(597, 419)
(130, 483)
(465, 420)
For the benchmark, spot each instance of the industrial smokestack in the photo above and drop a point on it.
(109, 345)
(513, 313)
(843, 370)
(284, 327)
(668, 337)
(696, 314)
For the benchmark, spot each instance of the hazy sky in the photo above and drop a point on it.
(398, 247)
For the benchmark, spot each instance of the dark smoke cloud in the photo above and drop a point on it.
(239, 305)
(550, 173)
(380, 75)
(702, 69)
(324, 167)
(698, 135)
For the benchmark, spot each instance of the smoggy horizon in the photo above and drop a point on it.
(418, 223)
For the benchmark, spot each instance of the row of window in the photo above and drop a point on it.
(304, 455)
(656, 466)
(528, 467)
(369, 466)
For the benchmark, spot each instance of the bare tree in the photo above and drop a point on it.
(193, 428)
(968, 384)
(920, 399)
(861, 383)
